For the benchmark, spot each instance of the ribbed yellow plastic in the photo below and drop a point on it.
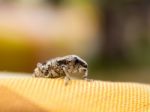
(39, 94)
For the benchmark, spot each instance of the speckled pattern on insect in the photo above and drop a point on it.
(71, 66)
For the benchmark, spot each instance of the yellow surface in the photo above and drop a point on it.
(42, 95)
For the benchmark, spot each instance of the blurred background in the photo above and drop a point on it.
(113, 36)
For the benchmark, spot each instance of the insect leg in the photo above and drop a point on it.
(67, 77)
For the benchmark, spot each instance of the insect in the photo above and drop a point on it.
(71, 66)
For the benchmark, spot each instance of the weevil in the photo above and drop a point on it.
(70, 66)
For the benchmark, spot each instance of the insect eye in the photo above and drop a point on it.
(85, 65)
(81, 63)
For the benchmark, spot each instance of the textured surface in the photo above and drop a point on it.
(38, 94)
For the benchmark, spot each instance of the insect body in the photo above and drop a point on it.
(70, 66)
